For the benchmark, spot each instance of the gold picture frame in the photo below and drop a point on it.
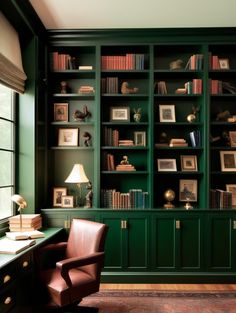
(224, 64)
(60, 112)
(167, 113)
(67, 201)
(140, 139)
(119, 114)
(228, 161)
(58, 193)
(188, 163)
(188, 190)
(232, 188)
(68, 137)
(232, 137)
(166, 165)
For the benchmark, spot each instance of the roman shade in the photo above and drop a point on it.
(11, 70)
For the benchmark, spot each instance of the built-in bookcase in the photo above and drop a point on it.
(184, 92)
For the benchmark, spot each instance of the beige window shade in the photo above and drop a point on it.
(11, 70)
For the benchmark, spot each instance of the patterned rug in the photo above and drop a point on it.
(141, 301)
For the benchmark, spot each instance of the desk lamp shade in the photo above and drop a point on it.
(19, 200)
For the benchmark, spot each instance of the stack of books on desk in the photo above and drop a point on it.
(30, 222)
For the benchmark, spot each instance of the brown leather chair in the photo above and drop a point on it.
(77, 274)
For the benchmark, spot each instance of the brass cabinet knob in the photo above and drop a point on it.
(177, 224)
(123, 224)
(25, 264)
(7, 300)
(234, 224)
(6, 278)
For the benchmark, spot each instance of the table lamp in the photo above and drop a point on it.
(77, 176)
(22, 204)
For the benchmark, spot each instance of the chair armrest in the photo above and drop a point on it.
(60, 246)
(65, 265)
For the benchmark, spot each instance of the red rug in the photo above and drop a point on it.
(139, 301)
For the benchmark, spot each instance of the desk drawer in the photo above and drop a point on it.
(25, 263)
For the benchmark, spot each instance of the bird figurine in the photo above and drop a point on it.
(87, 139)
(80, 116)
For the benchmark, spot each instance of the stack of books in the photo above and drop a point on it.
(30, 222)
(178, 142)
(125, 167)
(86, 89)
(126, 142)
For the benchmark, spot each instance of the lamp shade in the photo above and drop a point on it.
(19, 200)
(77, 175)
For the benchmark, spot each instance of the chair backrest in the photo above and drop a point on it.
(86, 237)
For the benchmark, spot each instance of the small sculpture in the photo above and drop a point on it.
(193, 116)
(223, 116)
(81, 116)
(64, 87)
(125, 160)
(87, 139)
(176, 65)
(125, 89)
(89, 196)
(137, 115)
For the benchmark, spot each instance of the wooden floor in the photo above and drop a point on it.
(196, 287)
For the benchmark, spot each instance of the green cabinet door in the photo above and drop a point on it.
(127, 241)
(221, 241)
(176, 242)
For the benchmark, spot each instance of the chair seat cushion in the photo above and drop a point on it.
(82, 284)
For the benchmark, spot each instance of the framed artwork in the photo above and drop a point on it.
(232, 137)
(167, 113)
(188, 163)
(232, 188)
(67, 201)
(58, 193)
(166, 165)
(228, 161)
(120, 114)
(224, 64)
(188, 190)
(68, 137)
(61, 112)
(140, 138)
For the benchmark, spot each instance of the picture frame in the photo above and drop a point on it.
(167, 113)
(60, 112)
(68, 137)
(58, 193)
(67, 201)
(140, 138)
(188, 163)
(119, 114)
(188, 190)
(232, 137)
(166, 165)
(224, 64)
(232, 188)
(228, 161)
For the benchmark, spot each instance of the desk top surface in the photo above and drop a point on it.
(49, 234)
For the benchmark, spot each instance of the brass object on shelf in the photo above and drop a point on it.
(169, 195)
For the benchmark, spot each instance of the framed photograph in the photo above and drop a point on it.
(188, 163)
(188, 190)
(58, 193)
(166, 165)
(120, 114)
(232, 137)
(68, 137)
(232, 188)
(140, 138)
(67, 201)
(167, 113)
(60, 112)
(228, 161)
(224, 64)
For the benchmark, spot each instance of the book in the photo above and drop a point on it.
(9, 246)
(25, 235)
(26, 218)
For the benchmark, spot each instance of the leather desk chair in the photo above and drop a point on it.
(77, 274)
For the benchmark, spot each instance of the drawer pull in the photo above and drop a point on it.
(177, 224)
(234, 224)
(25, 264)
(7, 300)
(6, 278)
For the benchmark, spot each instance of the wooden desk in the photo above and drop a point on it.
(16, 276)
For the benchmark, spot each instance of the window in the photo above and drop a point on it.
(7, 151)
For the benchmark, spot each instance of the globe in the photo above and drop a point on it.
(169, 195)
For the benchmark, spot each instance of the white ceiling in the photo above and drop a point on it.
(90, 14)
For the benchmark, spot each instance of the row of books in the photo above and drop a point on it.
(62, 61)
(195, 138)
(134, 199)
(110, 85)
(110, 137)
(195, 62)
(129, 61)
(190, 87)
(220, 199)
